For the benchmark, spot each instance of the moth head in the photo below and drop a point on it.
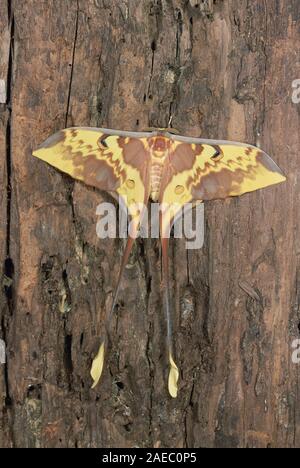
(159, 145)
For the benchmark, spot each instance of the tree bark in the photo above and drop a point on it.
(216, 69)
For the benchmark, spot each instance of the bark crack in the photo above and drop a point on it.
(70, 183)
(8, 127)
(186, 415)
(8, 266)
(153, 48)
(297, 311)
(176, 70)
(155, 15)
(72, 63)
(263, 117)
(151, 376)
(148, 282)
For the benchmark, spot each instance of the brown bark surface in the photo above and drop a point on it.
(216, 69)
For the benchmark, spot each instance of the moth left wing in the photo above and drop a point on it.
(117, 162)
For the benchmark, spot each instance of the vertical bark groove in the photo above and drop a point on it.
(72, 62)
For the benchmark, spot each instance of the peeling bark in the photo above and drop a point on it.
(218, 69)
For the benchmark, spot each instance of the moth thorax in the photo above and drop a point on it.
(159, 145)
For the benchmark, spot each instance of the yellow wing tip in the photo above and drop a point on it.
(97, 366)
(42, 154)
(279, 178)
(284, 178)
(53, 141)
(173, 377)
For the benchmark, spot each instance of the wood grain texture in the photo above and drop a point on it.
(216, 70)
(5, 280)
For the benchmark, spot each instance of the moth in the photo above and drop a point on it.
(164, 167)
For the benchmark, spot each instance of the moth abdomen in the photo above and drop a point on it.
(155, 178)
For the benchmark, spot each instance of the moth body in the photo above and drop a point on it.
(159, 148)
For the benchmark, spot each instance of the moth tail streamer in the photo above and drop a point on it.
(173, 377)
(97, 365)
(125, 258)
(98, 361)
(173, 372)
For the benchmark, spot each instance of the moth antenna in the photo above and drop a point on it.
(173, 373)
(97, 365)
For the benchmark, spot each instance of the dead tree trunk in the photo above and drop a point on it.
(218, 69)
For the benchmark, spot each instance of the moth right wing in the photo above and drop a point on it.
(200, 170)
(196, 170)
